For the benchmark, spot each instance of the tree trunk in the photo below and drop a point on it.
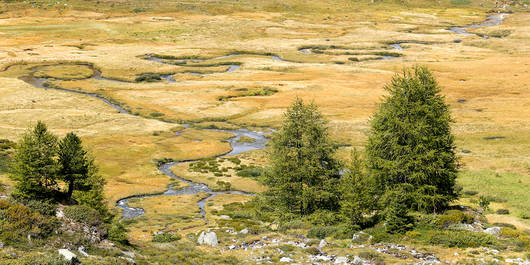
(70, 189)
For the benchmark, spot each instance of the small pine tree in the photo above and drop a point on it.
(359, 200)
(411, 141)
(396, 203)
(34, 166)
(303, 175)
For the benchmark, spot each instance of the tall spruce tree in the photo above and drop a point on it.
(34, 166)
(303, 175)
(411, 142)
(73, 163)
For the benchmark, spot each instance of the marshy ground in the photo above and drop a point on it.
(230, 65)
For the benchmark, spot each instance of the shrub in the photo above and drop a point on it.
(484, 202)
(508, 232)
(461, 239)
(500, 33)
(83, 214)
(156, 115)
(312, 250)
(43, 207)
(148, 77)
(503, 211)
(118, 233)
(252, 172)
(166, 237)
(504, 225)
(470, 192)
(321, 231)
(453, 217)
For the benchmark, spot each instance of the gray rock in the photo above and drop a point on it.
(341, 260)
(286, 259)
(1, 244)
(129, 260)
(357, 260)
(67, 254)
(209, 238)
(129, 254)
(81, 250)
(323, 243)
(225, 217)
(493, 230)
(244, 231)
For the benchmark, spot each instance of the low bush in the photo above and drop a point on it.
(453, 217)
(148, 77)
(166, 237)
(504, 225)
(321, 231)
(470, 192)
(250, 172)
(83, 214)
(503, 211)
(18, 223)
(461, 239)
(118, 233)
(43, 207)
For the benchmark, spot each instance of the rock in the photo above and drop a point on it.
(59, 213)
(129, 260)
(341, 260)
(323, 243)
(357, 260)
(225, 217)
(286, 259)
(129, 254)
(81, 250)
(67, 254)
(1, 244)
(209, 238)
(232, 247)
(493, 230)
(244, 231)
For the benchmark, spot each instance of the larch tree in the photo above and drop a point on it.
(410, 141)
(303, 175)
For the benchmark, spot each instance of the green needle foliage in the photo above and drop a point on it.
(411, 142)
(359, 199)
(34, 167)
(303, 175)
(73, 162)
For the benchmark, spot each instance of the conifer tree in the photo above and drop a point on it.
(34, 166)
(73, 162)
(411, 141)
(303, 175)
(358, 197)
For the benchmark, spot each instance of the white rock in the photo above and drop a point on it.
(244, 231)
(67, 254)
(323, 243)
(129, 254)
(209, 238)
(225, 217)
(232, 247)
(357, 260)
(493, 230)
(341, 260)
(81, 250)
(286, 259)
(59, 213)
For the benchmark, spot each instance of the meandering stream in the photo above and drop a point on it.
(492, 20)
(237, 147)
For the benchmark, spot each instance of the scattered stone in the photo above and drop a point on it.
(231, 247)
(67, 254)
(357, 260)
(322, 243)
(286, 259)
(81, 250)
(129, 260)
(225, 217)
(129, 254)
(493, 230)
(341, 260)
(1, 244)
(59, 213)
(209, 238)
(244, 231)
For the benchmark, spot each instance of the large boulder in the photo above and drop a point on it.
(67, 254)
(208, 238)
(493, 230)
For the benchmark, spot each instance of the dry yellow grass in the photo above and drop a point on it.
(165, 213)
